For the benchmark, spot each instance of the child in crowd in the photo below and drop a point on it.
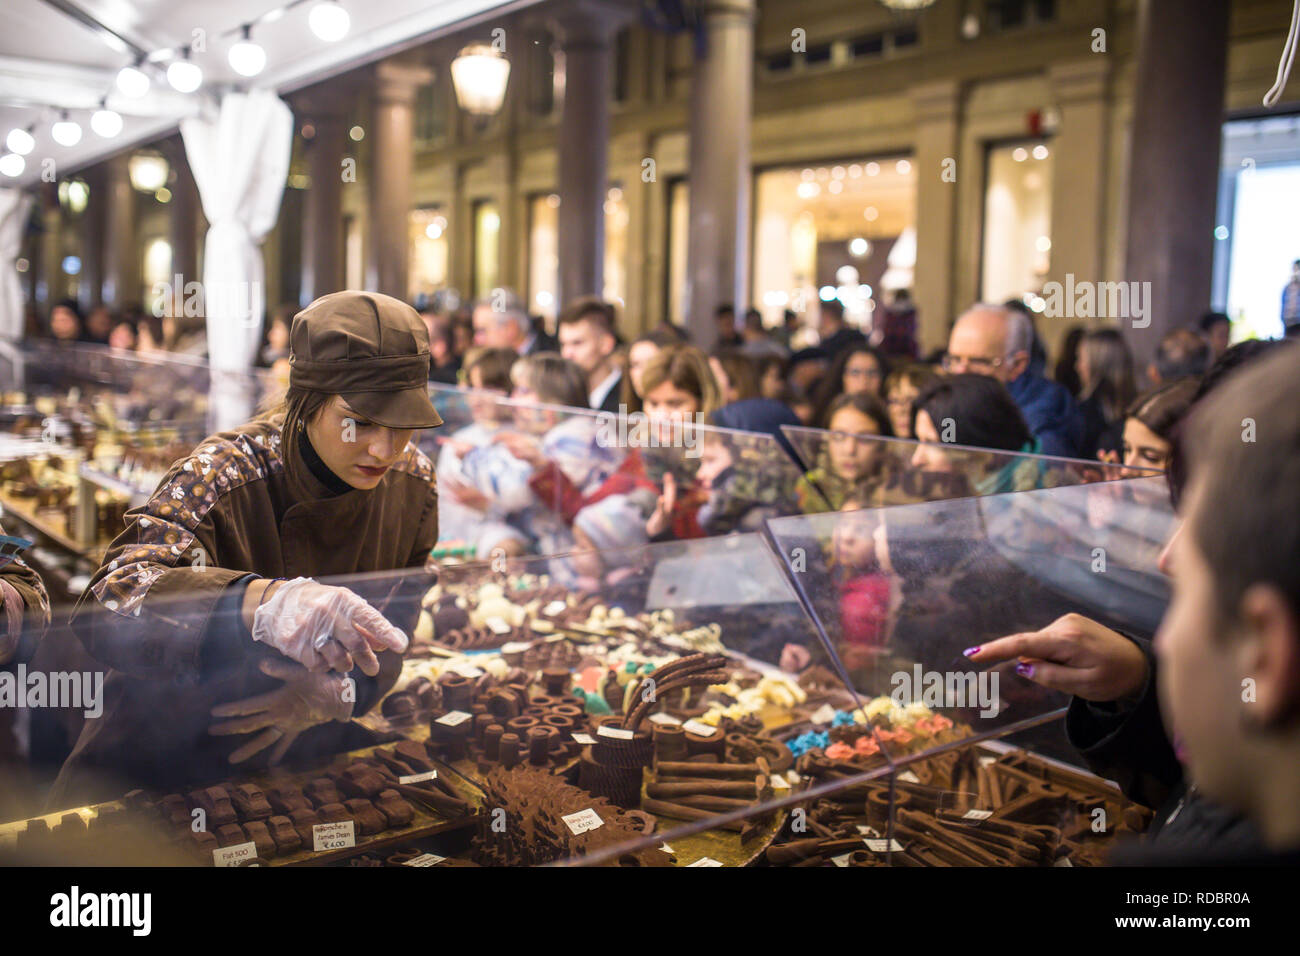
(850, 460)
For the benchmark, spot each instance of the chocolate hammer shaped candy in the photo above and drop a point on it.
(250, 802)
(414, 754)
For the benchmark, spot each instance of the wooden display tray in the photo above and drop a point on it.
(52, 525)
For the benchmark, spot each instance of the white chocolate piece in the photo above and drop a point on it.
(424, 627)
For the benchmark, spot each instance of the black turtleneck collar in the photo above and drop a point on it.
(317, 467)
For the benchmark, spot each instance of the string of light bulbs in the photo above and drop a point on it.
(327, 19)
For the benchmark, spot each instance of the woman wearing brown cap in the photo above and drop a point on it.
(222, 644)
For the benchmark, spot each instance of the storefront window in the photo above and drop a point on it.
(487, 248)
(679, 227)
(1017, 220)
(543, 251)
(427, 230)
(843, 230)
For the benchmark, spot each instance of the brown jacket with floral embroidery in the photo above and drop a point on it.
(244, 502)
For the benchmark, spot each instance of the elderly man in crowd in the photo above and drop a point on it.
(500, 322)
(996, 341)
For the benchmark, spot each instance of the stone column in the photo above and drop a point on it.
(721, 106)
(392, 157)
(1079, 157)
(122, 280)
(586, 31)
(937, 112)
(1174, 163)
(186, 210)
(90, 288)
(322, 216)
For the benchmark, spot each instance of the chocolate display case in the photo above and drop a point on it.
(948, 762)
(518, 694)
(518, 477)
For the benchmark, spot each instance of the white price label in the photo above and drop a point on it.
(823, 714)
(666, 720)
(234, 855)
(585, 739)
(618, 733)
(516, 647)
(699, 728)
(705, 861)
(884, 846)
(977, 814)
(425, 859)
(554, 608)
(868, 831)
(583, 820)
(498, 625)
(842, 859)
(418, 777)
(908, 777)
(454, 718)
(333, 836)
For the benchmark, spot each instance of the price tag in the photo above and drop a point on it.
(498, 625)
(453, 719)
(823, 714)
(618, 733)
(583, 820)
(585, 739)
(699, 728)
(418, 777)
(516, 647)
(466, 670)
(842, 859)
(705, 861)
(234, 855)
(425, 859)
(667, 720)
(908, 777)
(977, 814)
(554, 608)
(883, 846)
(868, 831)
(333, 836)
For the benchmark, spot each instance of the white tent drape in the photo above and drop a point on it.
(240, 162)
(14, 206)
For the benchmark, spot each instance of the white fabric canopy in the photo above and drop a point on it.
(14, 206)
(240, 161)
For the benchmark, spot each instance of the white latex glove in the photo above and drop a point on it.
(305, 700)
(323, 627)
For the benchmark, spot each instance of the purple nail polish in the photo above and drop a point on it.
(971, 651)
(1025, 670)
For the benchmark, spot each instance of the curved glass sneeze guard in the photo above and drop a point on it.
(522, 478)
(869, 471)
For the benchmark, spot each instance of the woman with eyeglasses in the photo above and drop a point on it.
(859, 369)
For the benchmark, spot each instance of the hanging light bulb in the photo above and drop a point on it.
(20, 141)
(480, 74)
(105, 122)
(66, 132)
(132, 82)
(329, 21)
(246, 57)
(184, 75)
(11, 164)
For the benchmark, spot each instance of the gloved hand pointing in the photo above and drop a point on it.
(323, 627)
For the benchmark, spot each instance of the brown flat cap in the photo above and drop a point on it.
(372, 349)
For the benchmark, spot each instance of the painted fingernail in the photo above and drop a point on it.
(1025, 670)
(972, 651)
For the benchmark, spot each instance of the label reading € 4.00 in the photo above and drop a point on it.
(333, 836)
(583, 820)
